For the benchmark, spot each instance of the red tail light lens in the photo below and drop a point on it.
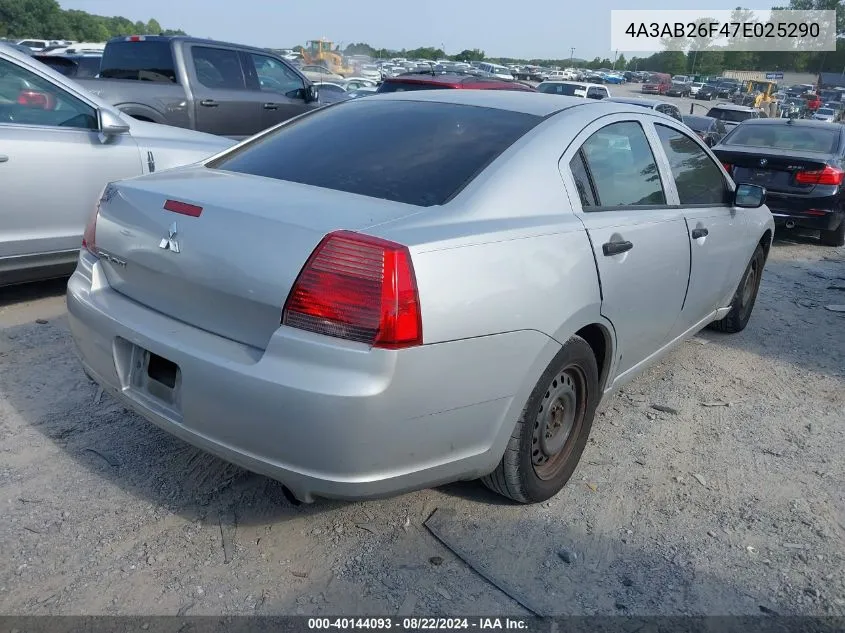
(89, 237)
(358, 288)
(728, 167)
(827, 176)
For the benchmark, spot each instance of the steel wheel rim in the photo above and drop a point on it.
(558, 422)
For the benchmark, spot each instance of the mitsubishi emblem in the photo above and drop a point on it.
(170, 243)
(763, 162)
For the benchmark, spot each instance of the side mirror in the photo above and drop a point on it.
(111, 124)
(749, 196)
(312, 93)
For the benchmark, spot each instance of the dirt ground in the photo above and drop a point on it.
(733, 508)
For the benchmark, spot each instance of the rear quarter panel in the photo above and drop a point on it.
(507, 253)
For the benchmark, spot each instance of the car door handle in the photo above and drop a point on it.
(271, 106)
(615, 248)
(4, 158)
(209, 103)
(698, 233)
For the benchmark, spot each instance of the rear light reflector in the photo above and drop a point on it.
(359, 288)
(815, 212)
(827, 176)
(89, 236)
(183, 207)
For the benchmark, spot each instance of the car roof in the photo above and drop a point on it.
(795, 123)
(639, 102)
(585, 84)
(536, 103)
(731, 106)
(191, 40)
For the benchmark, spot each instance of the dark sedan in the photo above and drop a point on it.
(707, 92)
(801, 163)
(708, 129)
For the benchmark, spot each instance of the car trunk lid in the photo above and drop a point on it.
(226, 262)
(773, 170)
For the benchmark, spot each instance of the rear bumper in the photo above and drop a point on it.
(830, 221)
(325, 418)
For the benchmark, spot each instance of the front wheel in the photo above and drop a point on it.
(550, 435)
(836, 237)
(745, 296)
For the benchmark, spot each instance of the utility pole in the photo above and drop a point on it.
(615, 57)
(571, 55)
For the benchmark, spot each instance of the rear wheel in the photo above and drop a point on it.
(836, 237)
(745, 296)
(552, 430)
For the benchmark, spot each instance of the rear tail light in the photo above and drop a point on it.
(359, 288)
(89, 236)
(728, 167)
(36, 99)
(827, 176)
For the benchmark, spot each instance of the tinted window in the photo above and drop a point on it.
(698, 123)
(622, 167)
(149, 60)
(731, 116)
(697, 178)
(275, 76)
(401, 86)
(87, 66)
(582, 181)
(412, 152)
(218, 68)
(568, 90)
(27, 99)
(804, 138)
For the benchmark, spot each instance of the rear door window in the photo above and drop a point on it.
(218, 68)
(417, 152)
(621, 167)
(148, 60)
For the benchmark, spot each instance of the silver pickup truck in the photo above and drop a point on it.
(205, 85)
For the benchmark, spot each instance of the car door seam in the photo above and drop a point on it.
(689, 276)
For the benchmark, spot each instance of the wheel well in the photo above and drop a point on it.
(140, 117)
(599, 340)
(766, 243)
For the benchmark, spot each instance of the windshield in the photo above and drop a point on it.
(731, 116)
(412, 152)
(825, 111)
(804, 138)
(568, 90)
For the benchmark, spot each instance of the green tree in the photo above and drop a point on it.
(467, 55)
(153, 27)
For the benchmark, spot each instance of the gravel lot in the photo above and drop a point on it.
(729, 501)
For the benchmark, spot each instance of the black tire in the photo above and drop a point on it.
(570, 384)
(836, 237)
(742, 304)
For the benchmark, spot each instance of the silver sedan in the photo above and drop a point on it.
(59, 146)
(446, 294)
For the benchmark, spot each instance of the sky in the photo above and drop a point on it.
(542, 29)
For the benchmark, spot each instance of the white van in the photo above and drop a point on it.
(499, 72)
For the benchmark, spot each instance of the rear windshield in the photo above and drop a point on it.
(698, 123)
(802, 138)
(404, 86)
(568, 90)
(731, 116)
(413, 152)
(150, 60)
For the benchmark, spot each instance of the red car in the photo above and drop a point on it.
(813, 102)
(424, 81)
(657, 84)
